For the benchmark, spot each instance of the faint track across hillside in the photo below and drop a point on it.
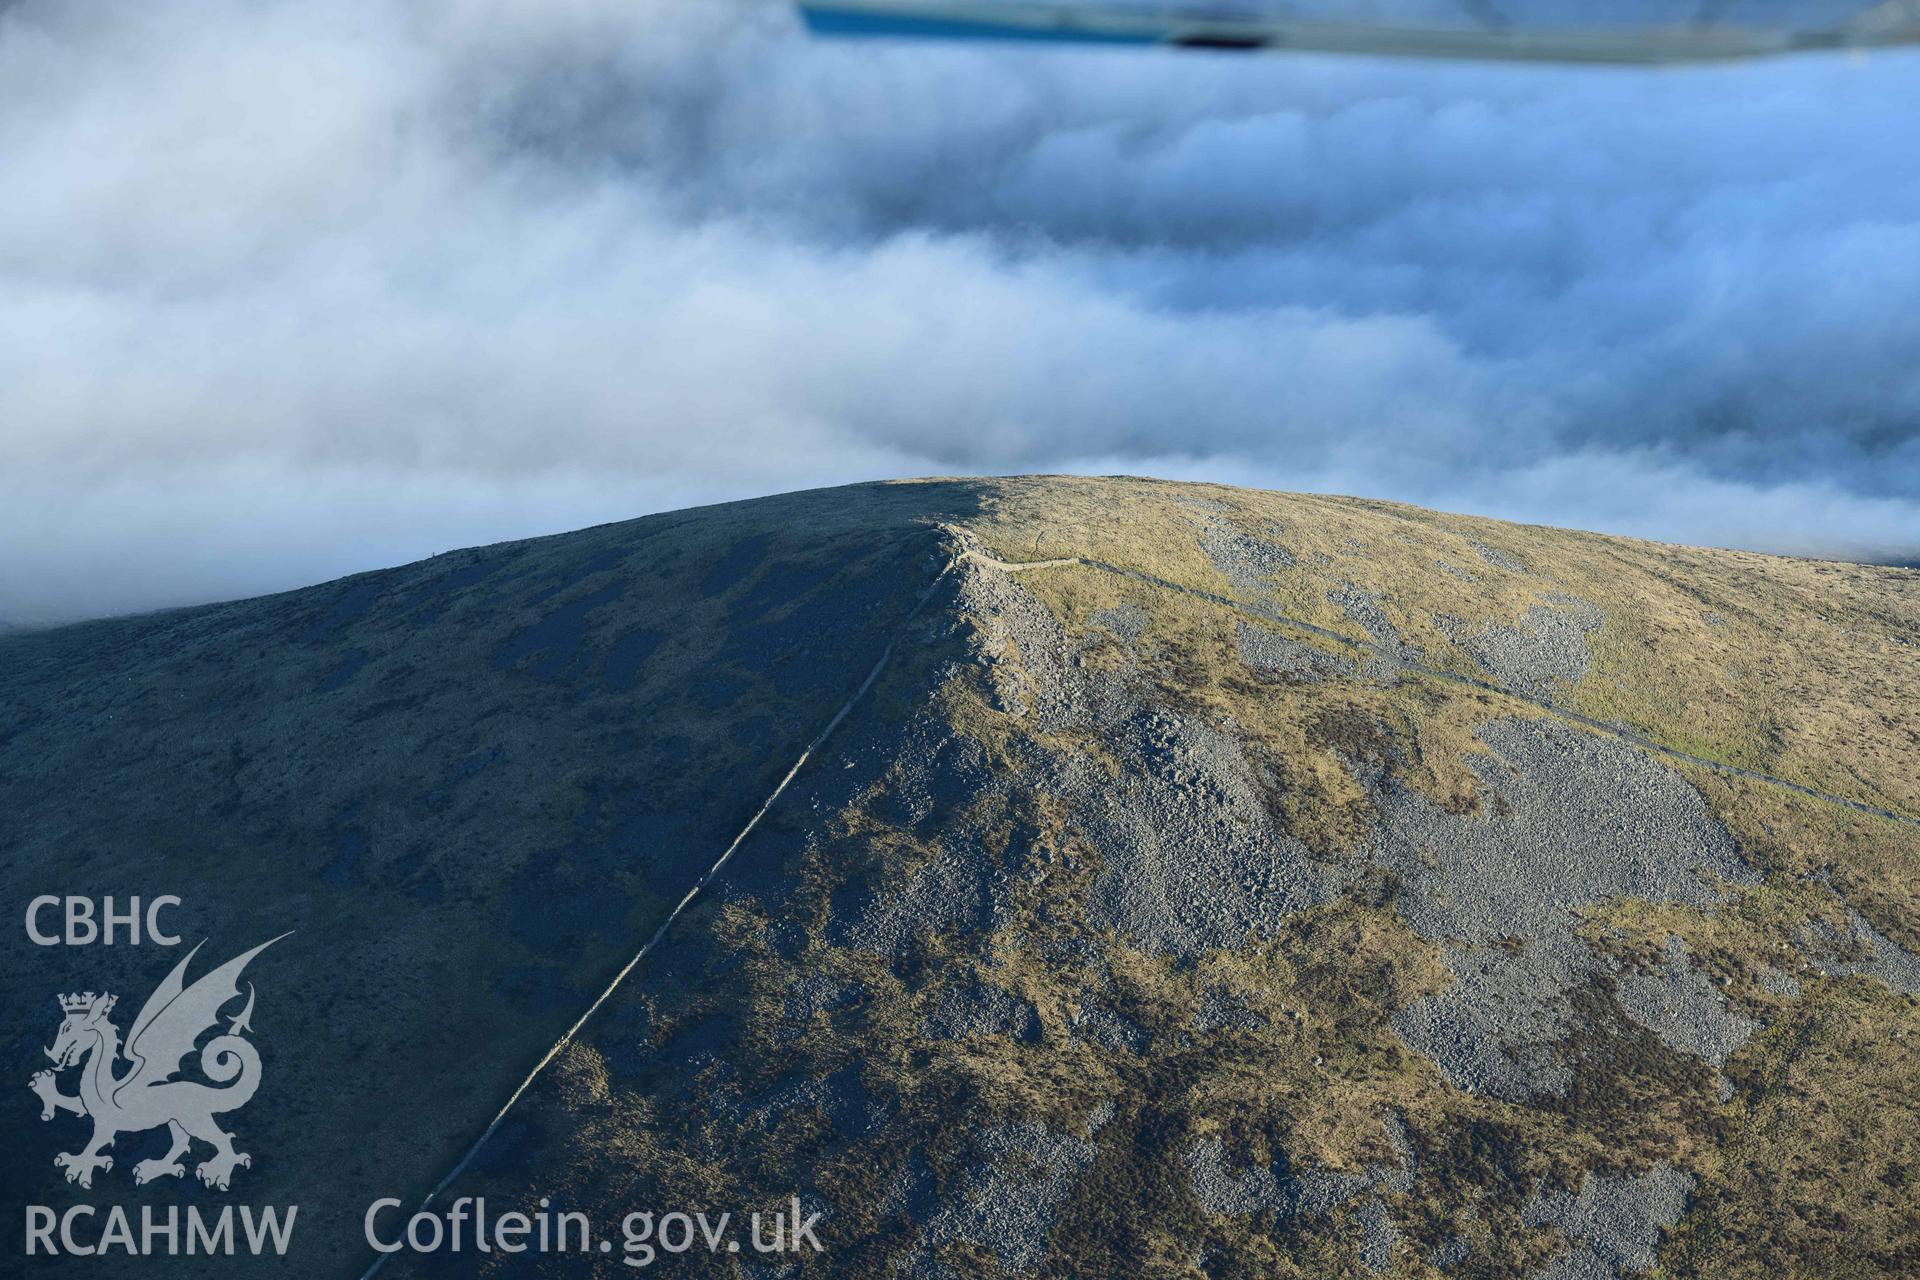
(560, 1046)
(1623, 732)
(969, 553)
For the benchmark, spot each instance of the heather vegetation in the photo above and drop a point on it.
(1208, 883)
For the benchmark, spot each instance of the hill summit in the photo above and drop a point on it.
(1089, 877)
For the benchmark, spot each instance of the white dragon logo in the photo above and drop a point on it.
(174, 1017)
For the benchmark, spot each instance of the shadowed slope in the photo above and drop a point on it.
(1103, 942)
(467, 784)
(1255, 885)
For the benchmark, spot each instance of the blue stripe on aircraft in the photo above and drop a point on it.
(842, 22)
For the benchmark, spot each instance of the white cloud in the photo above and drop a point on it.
(292, 289)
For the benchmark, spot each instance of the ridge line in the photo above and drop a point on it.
(566, 1039)
(1624, 733)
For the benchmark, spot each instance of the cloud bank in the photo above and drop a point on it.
(290, 289)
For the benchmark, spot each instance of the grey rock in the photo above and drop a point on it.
(1127, 621)
(1568, 819)
(1683, 1007)
(841, 1098)
(1010, 1199)
(1860, 948)
(1577, 1263)
(1369, 610)
(1378, 1235)
(1286, 1191)
(1248, 563)
(1099, 1025)
(933, 769)
(1498, 1029)
(811, 994)
(980, 1010)
(748, 1271)
(1220, 1009)
(1613, 1225)
(1498, 559)
(1450, 1253)
(913, 1193)
(1225, 1192)
(1271, 653)
(1190, 856)
(1776, 981)
(1397, 1177)
(1278, 1191)
(1545, 652)
(924, 778)
(960, 889)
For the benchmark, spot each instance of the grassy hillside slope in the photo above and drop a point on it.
(1208, 883)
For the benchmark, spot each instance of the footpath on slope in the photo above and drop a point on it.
(706, 878)
(970, 553)
(1624, 733)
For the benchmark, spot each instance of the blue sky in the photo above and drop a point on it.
(290, 289)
